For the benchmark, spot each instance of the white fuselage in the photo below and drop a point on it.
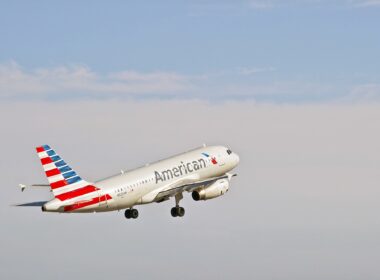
(142, 185)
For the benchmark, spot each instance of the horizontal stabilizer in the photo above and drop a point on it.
(36, 203)
(23, 187)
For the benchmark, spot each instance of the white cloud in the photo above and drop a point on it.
(254, 70)
(364, 93)
(261, 4)
(268, 4)
(16, 81)
(366, 3)
(254, 83)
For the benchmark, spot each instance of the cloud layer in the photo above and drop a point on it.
(268, 4)
(81, 80)
(366, 3)
(252, 83)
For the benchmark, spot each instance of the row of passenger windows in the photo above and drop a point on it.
(135, 185)
(148, 180)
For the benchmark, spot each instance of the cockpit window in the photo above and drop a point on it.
(229, 151)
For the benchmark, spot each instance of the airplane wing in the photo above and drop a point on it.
(181, 186)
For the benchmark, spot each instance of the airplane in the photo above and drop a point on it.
(202, 171)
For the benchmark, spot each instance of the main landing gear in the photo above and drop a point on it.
(131, 213)
(178, 211)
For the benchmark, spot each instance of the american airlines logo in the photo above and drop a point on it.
(181, 169)
(213, 159)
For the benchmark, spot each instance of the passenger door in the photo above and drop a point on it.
(102, 199)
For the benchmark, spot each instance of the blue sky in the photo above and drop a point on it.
(274, 51)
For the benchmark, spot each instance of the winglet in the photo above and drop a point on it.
(22, 186)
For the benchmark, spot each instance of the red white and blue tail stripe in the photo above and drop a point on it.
(59, 173)
(64, 182)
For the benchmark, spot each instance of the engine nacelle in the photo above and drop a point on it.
(216, 189)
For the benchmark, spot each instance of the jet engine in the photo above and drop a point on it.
(216, 189)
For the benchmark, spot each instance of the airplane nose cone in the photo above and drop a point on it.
(237, 159)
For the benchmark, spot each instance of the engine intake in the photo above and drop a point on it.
(216, 189)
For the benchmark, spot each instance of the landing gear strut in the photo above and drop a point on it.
(177, 211)
(131, 213)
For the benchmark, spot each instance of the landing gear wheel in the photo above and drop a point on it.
(177, 211)
(131, 213)
(134, 213)
(127, 213)
(173, 211)
(181, 211)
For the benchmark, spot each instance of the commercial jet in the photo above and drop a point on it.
(204, 172)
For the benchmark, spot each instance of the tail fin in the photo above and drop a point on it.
(64, 182)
